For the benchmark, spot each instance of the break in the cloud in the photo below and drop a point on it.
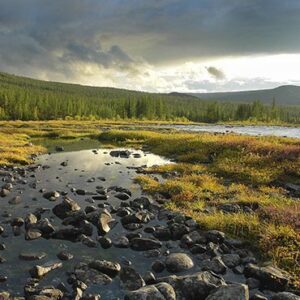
(158, 45)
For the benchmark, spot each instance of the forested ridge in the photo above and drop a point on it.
(28, 99)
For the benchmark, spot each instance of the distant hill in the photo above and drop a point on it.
(284, 95)
(24, 98)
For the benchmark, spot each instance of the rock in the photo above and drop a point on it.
(149, 278)
(160, 291)
(122, 196)
(30, 220)
(105, 242)
(51, 196)
(158, 266)
(41, 271)
(91, 276)
(215, 236)
(253, 283)
(15, 200)
(215, 264)
(270, 277)
(143, 244)
(139, 217)
(121, 242)
(32, 255)
(109, 268)
(120, 153)
(231, 260)
(142, 202)
(67, 206)
(17, 222)
(177, 262)
(64, 255)
(4, 192)
(131, 279)
(67, 233)
(178, 231)
(194, 287)
(87, 241)
(230, 292)
(32, 234)
(198, 249)
(103, 222)
(4, 295)
(285, 296)
(59, 148)
(162, 233)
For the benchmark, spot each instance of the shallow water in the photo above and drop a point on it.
(281, 131)
(82, 165)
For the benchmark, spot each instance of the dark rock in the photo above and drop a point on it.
(105, 242)
(52, 196)
(67, 206)
(231, 260)
(121, 242)
(177, 262)
(285, 296)
(194, 287)
(64, 255)
(32, 255)
(91, 276)
(59, 148)
(215, 264)
(149, 278)
(109, 268)
(143, 244)
(160, 291)
(230, 292)
(215, 236)
(158, 266)
(131, 279)
(270, 277)
(122, 196)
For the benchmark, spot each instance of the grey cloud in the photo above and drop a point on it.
(216, 73)
(50, 36)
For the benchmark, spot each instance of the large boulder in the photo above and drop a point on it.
(285, 296)
(193, 287)
(178, 262)
(270, 277)
(230, 292)
(160, 291)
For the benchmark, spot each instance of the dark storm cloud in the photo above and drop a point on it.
(53, 35)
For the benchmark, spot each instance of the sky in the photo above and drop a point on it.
(154, 45)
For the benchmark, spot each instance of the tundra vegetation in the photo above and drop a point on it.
(237, 184)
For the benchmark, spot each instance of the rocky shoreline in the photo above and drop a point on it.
(182, 261)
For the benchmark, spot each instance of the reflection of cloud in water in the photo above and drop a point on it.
(90, 162)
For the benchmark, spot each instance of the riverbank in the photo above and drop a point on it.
(245, 186)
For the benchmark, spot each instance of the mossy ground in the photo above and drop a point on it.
(213, 170)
